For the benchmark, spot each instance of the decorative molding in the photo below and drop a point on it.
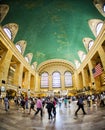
(86, 41)
(29, 56)
(93, 24)
(13, 27)
(3, 11)
(22, 44)
(99, 5)
(56, 62)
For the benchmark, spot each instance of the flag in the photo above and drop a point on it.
(97, 70)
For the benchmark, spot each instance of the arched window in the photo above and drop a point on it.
(19, 48)
(8, 32)
(90, 44)
(33, 67)
(104, 7)
(77, 64)
(68, 79)
(56, 79)
(98, 28)
(27, 59)
(82, 55)
(44, 80)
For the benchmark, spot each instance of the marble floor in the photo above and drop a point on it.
(16, 119)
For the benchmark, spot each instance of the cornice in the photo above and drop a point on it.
(55, 62)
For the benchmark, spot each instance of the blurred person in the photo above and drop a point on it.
(65, 101)
(32, 104)
(6, 103)
(39, 107)
(55, 105)
(80, 104)
(26, 102)
(23, 103)
(89, 101)
(50, 108)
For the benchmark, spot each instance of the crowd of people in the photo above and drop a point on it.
(50, 103)
(35, 104)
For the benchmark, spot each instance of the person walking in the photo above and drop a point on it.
(54, 109)
(65, 102)
(89, 101)
(32, 104)
(6, 103)
(80, 104)
(39, 107)
(50, 108)
(23, 104)
(26, 102)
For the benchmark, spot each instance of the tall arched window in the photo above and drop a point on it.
(90, 44)
(8, 32)
(82, 55)
(77, 64)
(104, 7)
(44, 80)
(68, 79)
(27, 59)
(19, 48)
(33, 67)
(56, 79)
(98, 28)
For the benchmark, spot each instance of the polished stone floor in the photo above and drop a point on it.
(16, 119)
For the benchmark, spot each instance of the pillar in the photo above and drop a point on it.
(102, 56)
(4, 66)
(18, 75)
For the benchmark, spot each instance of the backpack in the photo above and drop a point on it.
(80, 101)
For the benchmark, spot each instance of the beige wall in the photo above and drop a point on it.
(51, 66)
(14, 69)
(94, 56)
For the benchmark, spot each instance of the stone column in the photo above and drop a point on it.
(85, 77)
(18, 75)
(92, 84)
(76, 80)
(37, 88)
(50, 81)
(62, 82)
(102, 56)
(80, 80)
(32, 82)
(27, 80)
(4, 66)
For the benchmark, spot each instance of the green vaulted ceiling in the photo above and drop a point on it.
(53, 29)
